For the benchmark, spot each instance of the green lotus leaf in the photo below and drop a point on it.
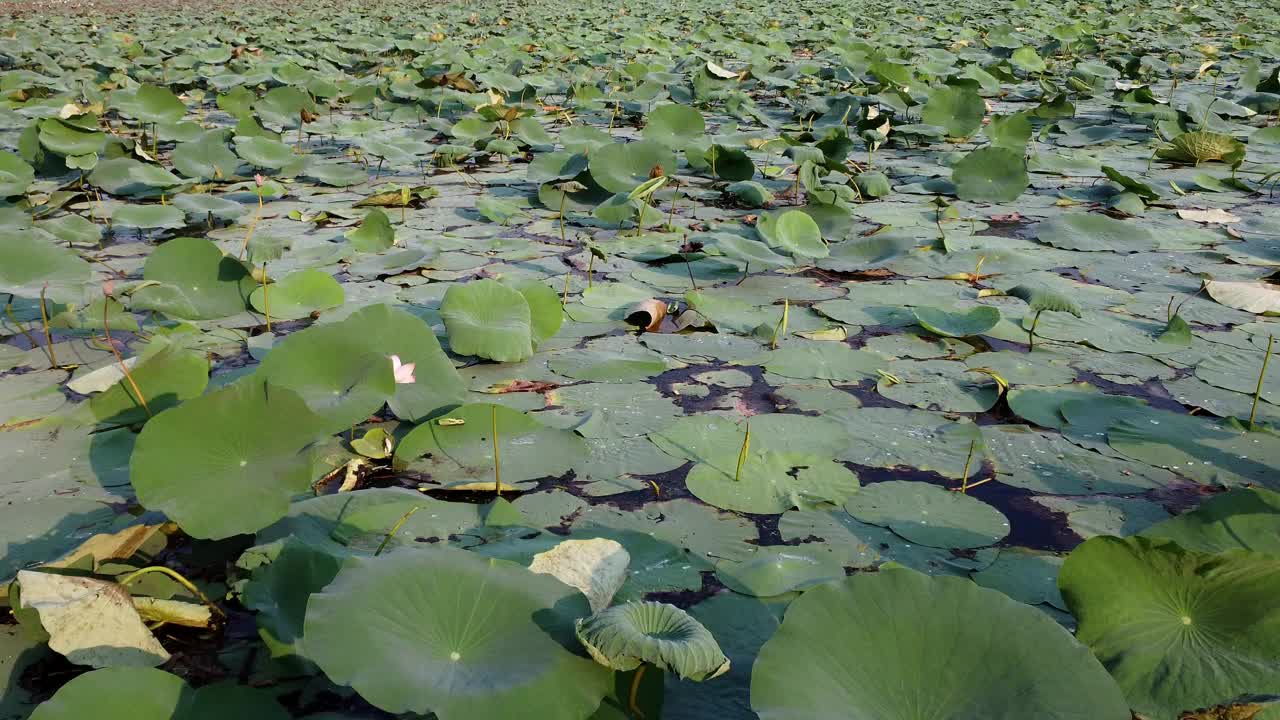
(730, 164)
(750, 193)
(226, 463)
(770, 572)
(929, 514)
(15, 175)
(450, 632)
(126, 176)
(164, 378)
(336, 174)
(991, 174)
(798, 234)
(889, 645)
(206, 157)
(199, 206)
(29, 259)
(773, 482)
(546, 314)
(1177, 629)
(491, 320)
(620, 167)
(1041, 298)
(375, 233)
(149, 216)
(278, 589)
(299, 294)
(1009, 131)
(974, 321)
(957, 109)
(132, 693)
(553, 166)
(264, 152)
(150, 104)
(470, 130)
(497, 210)
(624, 636)
(196, 281)
(1028, 59)
(284, 105)
(749, 251)
(343, 370)
(463, 451)
(675, 126)
(1092, 232)
(1243, 518)
(74, 229)
(63, 138)
(1203, 146)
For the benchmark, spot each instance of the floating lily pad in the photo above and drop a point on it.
(624, 636)
(928, 514)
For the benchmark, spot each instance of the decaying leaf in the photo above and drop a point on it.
(91, 622)
(597, 567)
(1254, 297)
(1216, 215)
(1225, 712)
(647, 314)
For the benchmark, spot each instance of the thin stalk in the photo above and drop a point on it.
(1031, 334)
(689, 269)
(742, 454)
(44, 320)
(1261, 376)
(394, 529)
(780, 329)
(591, 261)
(964, 477)
(497, 464)
(106, 329)
(563, 196)
(266, 296)
(133, 576)
(671, 215)
(633, 697)
(565, 299)
(252, 224)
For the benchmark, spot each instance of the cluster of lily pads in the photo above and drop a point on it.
(641, 361)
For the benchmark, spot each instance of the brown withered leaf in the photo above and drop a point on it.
(1246, 711)
(647, 314)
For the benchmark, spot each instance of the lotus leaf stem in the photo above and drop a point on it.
(563, 197)
(266, 297)
(44, 320)
(633, 697)
(128, 376)
(780, 329)
(964, 476)
(742, 454)
(177, 577)
(395, 529)
(8, 310)
(1031, 334)
(497, 463)
(564, 300)
(1261, 376)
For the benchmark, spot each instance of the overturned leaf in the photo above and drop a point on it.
(663, 635)
(91, 622)
(1255, 297)
(597, 567)
(648, 314)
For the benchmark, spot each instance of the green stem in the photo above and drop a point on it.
(1261, 376)
(106, 329)
(191, 588)
(742, 454)
(497, 463)
(781, 328)
(1031, 334)
(266, 297)
(964, 478)
(8, 310)
(563, 196)
(44, 319)
(394, 529)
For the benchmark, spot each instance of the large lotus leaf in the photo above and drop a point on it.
(1238, 370)
(902, 645)
(298, 295)
(450, 632)
(546, 314)
(1197, 447)
(975, 321)
(1247, 518)
(773, 482)
(264, 152)
(226, 463)
(957, 109)
(70, 140)
(196, 281)
(463, 451)
(149, 216)
(1050, 463)
(717, 441)
(621, 167)
(822, 361)
(1254, 297)
(662, 635)
(945, 385)
(29, 259)
(151, 104)
(610, 360)
(798, 234)
(131, 693)
(1091, 232)
(278, 590)
(772, 571)
(206, 158)
(343, 370)
(675, 126)
(1177, 629)
(614, 410)
(929, 514)
(15, 175)
(374, 234)
(165, 378)
(1024, 575)
(488, 319)
(1203, 146)
(126, 176)
(991, 174)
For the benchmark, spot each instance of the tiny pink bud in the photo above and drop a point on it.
(259, 180)
(109, 288)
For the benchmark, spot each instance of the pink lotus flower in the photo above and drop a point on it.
(259, 179)
(109, 288)
(403, 372)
